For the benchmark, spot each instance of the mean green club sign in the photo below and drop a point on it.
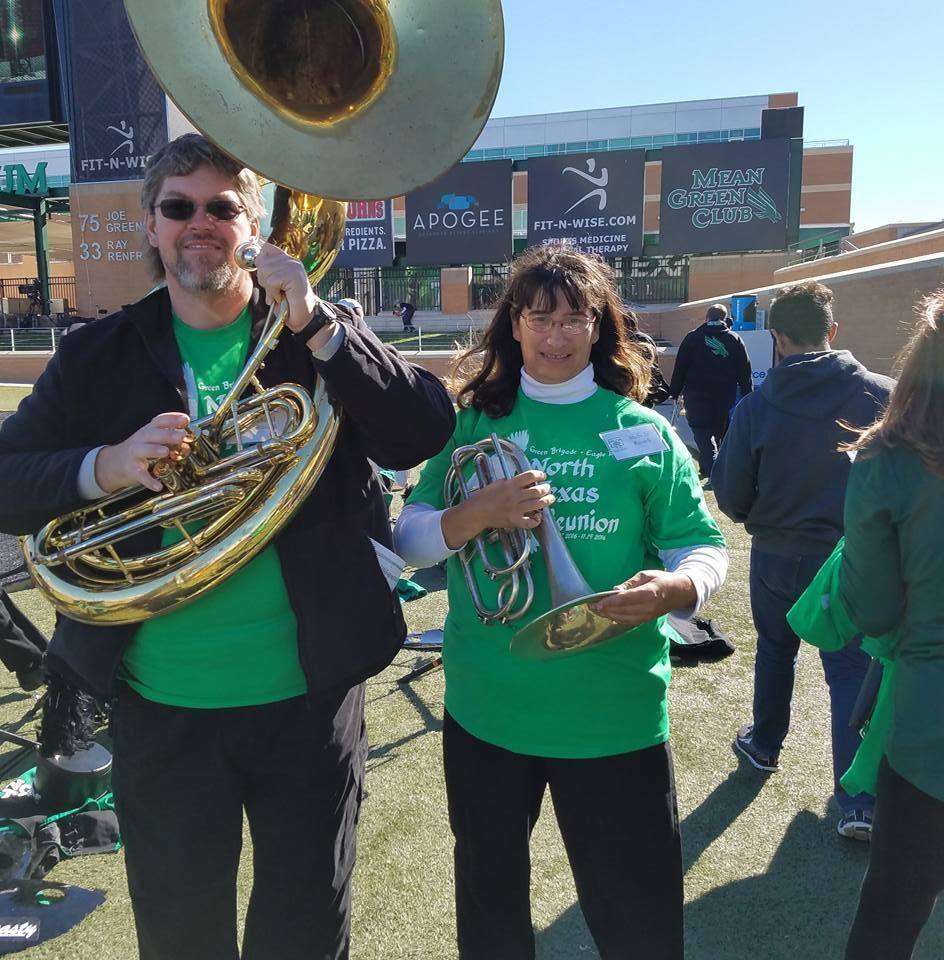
(725, 197)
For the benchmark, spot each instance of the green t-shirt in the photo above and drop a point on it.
(236, 645)
(615, 515)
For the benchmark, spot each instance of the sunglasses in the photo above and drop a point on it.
(177, 208)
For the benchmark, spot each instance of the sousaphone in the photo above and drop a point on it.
(349, 99)
(341, 99)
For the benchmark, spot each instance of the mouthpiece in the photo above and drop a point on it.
(245, 254)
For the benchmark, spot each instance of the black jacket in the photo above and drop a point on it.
(712, 359)
(658, 388)
(112, 376)
(779, 470)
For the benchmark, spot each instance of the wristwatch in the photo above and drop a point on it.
(323, 314)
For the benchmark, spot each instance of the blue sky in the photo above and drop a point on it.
(868, 72)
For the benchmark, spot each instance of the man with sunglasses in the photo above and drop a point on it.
(249, 699)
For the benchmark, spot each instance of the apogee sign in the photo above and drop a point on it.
(463, 217)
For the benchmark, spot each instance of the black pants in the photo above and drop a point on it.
(707, 415)
(618, 819)
(182, 779)
(905, 874)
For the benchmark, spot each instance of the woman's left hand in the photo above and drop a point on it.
(647, 595)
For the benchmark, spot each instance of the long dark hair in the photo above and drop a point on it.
(488, 375)
(914, 416)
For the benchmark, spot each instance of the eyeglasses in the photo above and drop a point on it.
(178, 208)
(570, 326)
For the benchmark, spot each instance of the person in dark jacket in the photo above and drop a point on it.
(712, 365)
(249, 698)
(781, 473)
(405, 311)
(658, 389)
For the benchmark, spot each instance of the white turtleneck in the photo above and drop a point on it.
(419, 540)
(570, 391)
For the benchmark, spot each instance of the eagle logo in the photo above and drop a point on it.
(716, 347)
(520, 438)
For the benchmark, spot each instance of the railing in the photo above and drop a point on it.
(817, 144)
(426, 340)
(38, 340)
(828, 245)
(652, 279)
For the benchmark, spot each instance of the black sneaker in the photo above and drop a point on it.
(856, 825)
(744, 745)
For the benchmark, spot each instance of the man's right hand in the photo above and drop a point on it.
(127, 463)
(501, 505)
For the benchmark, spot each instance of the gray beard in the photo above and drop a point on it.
(215, 280)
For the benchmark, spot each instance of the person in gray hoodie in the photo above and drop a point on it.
(780, 472)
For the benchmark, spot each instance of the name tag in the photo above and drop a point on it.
(631, 442)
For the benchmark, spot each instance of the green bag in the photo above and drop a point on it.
(820, 618)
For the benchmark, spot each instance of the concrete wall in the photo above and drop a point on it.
(891, 251)
(874, 307)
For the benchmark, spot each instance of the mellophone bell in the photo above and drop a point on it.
(568, 515)
(192, 476)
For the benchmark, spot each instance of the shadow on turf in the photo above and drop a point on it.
(385, 752)
(801, 905)
(718, 811)
(568, 935)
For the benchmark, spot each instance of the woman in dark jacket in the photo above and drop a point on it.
(890, 579)
(658, 388)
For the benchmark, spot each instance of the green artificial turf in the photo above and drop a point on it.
(767, 877)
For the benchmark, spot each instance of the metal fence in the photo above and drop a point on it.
(25, 304)
(39, 340)
(638, 279)
(488, 281)
(378, 288)
(417, 285)
(652, 279)
(354, 283)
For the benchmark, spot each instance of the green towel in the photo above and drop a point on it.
(863, 771)
(819, 616)
(821, 619)
(409, 590)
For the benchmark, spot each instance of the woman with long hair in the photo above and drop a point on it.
(556, 374)
(891, 579)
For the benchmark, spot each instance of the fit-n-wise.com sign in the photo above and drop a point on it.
(592, 200)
